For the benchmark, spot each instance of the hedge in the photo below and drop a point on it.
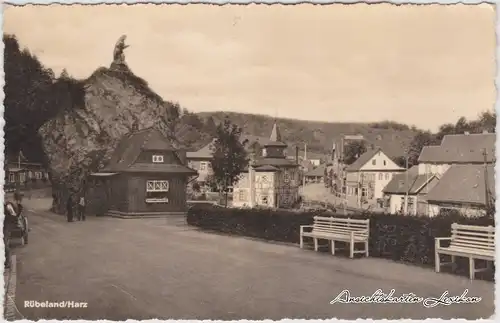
(409, 239)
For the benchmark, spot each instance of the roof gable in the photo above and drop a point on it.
(464, 184)
(204, 153)
(362, 160)
(130, 147)
(409, 181)
(365, 160)
(461, 149)
(316, 172)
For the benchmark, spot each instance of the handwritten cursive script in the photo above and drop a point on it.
(449, 300)
(379, 297)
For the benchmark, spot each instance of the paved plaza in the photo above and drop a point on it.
(158, 268)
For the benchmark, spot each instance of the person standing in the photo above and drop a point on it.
(81, 208)
(69, 209)
(8, 220)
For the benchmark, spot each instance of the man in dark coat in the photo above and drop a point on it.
(69, 209)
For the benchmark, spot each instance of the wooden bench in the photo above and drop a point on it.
(337, 229)
(469, 241)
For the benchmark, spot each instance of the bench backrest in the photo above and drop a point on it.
(473, 237)
(340, 225)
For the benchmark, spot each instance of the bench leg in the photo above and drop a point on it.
(453, 264)
(351, 246)
(472, 268)
(436, 260)
(301, 242)
(333, 247)
(366, 248)
(315, 244)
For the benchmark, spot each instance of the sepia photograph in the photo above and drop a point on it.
(234, 162)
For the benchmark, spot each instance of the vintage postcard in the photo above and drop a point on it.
(249, 162)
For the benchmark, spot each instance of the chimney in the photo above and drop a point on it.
(466, 133)
(485, 131)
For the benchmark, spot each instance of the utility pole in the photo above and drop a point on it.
(407, 185)
(251, 183)
(486, 188)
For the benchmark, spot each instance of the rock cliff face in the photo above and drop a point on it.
(80, 139)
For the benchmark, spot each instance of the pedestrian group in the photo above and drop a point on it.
(80, 208)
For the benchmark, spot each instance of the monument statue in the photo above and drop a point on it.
(118, 54)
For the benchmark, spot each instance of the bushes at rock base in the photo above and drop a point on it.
(408, 239)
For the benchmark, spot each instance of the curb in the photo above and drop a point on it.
(10, 292)
(216, 232)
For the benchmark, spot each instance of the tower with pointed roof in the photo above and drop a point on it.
(271, 179)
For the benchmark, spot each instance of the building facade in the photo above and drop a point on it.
(21, 173)
(458, 168)
(145, 176)
(271, 180)
(201, 161)
(412, 187)
(369, 174)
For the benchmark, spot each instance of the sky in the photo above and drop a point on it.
(420, 65)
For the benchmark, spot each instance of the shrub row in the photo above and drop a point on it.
(397, 237)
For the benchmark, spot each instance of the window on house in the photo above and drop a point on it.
(203, 166)
(157, 191)
(387, 176)
(157, 158)
(242, 195)
(385, 162)
(380, 176)
(12, 177)
(38, 175)
(22, 177)
(30, 174)
(374, 162)
(286, 178)
(265, 200)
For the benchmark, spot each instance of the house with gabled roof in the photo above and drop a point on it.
(270, 180)
(316, 175)
(369, 174)
(462, 154)
(146, 176)
(201, 161)
(468, 188)
(413, 186)
(21, 173)
(457, 149)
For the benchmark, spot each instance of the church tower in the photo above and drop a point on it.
(275, 148)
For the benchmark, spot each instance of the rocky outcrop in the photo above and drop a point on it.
(80, 139)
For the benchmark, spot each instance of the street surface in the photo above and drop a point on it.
(157, 268)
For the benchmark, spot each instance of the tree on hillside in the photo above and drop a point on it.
(32, 96)
(400, 161)
(353, 150)
(256, 148)
(423, 138)
(488, 121)
(210, 126)
(230, 157)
